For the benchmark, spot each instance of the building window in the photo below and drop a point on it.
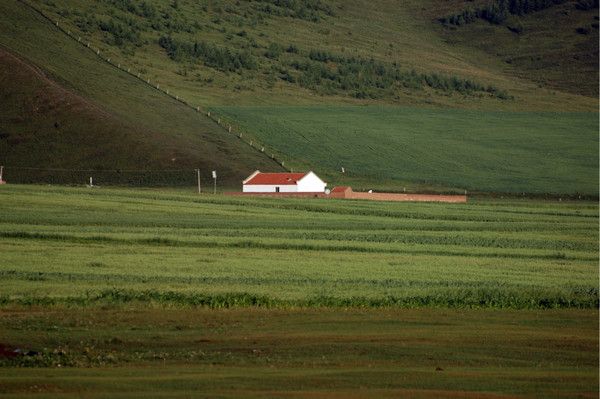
(276, 189)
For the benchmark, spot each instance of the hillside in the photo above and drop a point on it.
(229, 52)
(433, 83)
(62, 108)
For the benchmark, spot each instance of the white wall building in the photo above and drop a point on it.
(259, 182)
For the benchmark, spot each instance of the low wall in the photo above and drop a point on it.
(349, 194)
(407, 197)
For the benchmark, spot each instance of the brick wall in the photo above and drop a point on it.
(349, 194)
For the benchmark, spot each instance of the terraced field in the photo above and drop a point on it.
(145, 245)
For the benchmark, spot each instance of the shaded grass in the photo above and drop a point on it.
(300, 352)
(66, 108)
(464, 298)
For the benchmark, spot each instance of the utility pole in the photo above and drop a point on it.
(198, 177)
(214, 175)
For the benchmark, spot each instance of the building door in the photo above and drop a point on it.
(276, 189)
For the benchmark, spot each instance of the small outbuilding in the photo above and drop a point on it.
(259, 182)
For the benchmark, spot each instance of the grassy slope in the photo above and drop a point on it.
(425, 353)
(386, 147)
(383, 30)
(521, 254)
(63, 107)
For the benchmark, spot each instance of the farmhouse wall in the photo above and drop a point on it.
(311, 184)
(264, 188)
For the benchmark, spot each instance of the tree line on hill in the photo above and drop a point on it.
(124, 28)
(221, 58)
(498, 11)
(310, 10)
(317, 70)
(325, 72)
(370, 78)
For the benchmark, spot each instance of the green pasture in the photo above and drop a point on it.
(393, 147)
(179, 248)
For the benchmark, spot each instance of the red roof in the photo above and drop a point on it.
(281, 179)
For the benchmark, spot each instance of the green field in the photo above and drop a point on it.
(127, 246)
(147, 293)
(475, 150)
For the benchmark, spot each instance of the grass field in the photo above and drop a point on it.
(125, 293)
(476, 150)
(179, 248)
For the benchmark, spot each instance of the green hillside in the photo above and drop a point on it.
(63, 108)
(305, 52)
(458, 105)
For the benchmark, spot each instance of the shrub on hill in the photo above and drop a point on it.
(586, 5)
(369, 78)
(498, 11)
(139, 8)
(121, 33)
(221, 58)
(310, 10)
(273, 51)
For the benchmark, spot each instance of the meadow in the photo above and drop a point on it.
(130, 293)
(175, 247)
(392, 147)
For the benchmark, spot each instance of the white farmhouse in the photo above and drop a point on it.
(259, 182)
